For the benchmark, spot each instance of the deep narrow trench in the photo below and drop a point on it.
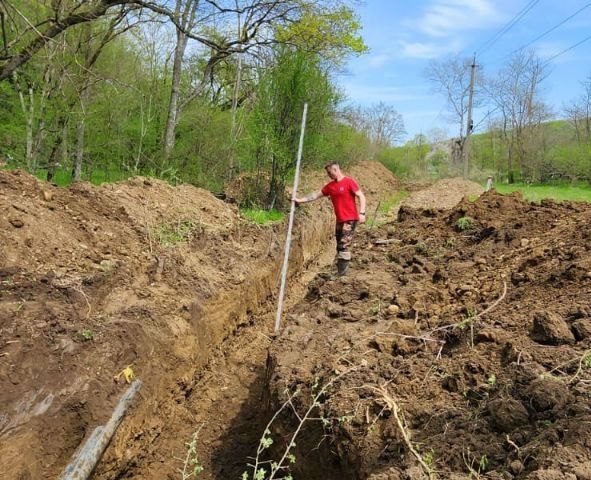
(227, 402)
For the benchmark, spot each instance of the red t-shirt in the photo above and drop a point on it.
(342, 195)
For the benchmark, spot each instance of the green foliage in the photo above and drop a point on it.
(464, 223)
(262, 217)
(273, 127)
(176, 232)
(578, 192)
(376, 308)
(87, 335)
(334, 32)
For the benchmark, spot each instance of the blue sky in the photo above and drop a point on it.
(404, 36)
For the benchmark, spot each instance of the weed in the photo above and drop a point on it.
(587, 360)
(450, 243)
(376, 309)
(173, 233)
(276, 470)
(192, 466)
(468, 319)
(429, 458)
(346, 419)
(492, 379)
(87, 335)
(464, 223)
(262, 217)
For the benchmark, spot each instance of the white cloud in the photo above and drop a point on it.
(441, 26)
(429, 50)
(444, 18)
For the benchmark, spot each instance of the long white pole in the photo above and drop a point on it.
(290, 224)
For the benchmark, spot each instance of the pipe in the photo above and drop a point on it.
(87, 458)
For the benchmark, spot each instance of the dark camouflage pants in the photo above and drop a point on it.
(344, 232)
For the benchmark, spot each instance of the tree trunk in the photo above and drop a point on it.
(173, 104)
(79, 155)
(52, 162)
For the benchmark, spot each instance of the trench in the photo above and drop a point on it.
(195, 322)
(227, 400)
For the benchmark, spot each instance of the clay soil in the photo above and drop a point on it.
(489, 383)
(169, 281)
(461, 335)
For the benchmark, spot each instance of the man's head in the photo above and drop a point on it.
(333, 170)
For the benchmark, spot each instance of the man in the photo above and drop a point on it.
(343, 192)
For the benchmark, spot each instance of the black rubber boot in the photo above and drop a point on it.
(342, 267)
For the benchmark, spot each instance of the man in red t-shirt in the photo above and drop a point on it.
(343, 191)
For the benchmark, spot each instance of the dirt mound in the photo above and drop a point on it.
(93, 279)
(461, 338)
(444, 194)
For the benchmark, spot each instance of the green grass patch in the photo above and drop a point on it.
(262, 217)
(63, 178)
(177, 232)
(391, 202)
(536, 193)
(384, 209)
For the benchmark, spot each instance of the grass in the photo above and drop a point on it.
(536, 193)
(63, 178)
(177, 232)
(262, 217)
(385, 207)
(392, 201)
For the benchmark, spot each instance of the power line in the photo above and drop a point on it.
(524, 11)
(567, 50)
(551, 29)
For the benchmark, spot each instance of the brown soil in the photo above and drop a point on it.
(488, 385)
(136, 273)
(443, 194)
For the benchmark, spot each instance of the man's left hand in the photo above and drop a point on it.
(362, 218)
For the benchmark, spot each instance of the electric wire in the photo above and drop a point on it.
(539, 37)
(524, 11)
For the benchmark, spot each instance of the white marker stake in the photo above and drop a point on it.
(290, 225)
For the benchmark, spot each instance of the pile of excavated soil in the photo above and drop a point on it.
(444, 194)
(466, 341)
(137, 273)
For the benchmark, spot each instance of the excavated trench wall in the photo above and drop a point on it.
(86, 290)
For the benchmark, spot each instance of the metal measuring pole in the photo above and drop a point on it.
(290, 224)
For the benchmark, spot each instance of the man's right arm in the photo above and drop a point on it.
(309, 198)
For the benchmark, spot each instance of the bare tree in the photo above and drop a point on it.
(386, 125)
(516, 93)
(451, 78)
(578, 113)
(381, 123)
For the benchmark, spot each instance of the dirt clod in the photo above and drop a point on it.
(550, 328)
(507, 414)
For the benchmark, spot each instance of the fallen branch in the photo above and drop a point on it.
(475, 317)
(395, 409)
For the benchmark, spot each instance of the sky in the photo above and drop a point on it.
(404, 36)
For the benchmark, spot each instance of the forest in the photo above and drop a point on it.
(204, 92)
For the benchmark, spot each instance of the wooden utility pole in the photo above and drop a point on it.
(470, 122)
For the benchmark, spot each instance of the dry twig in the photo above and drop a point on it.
(395, 409)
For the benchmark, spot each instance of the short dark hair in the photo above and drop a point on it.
(331, 164)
